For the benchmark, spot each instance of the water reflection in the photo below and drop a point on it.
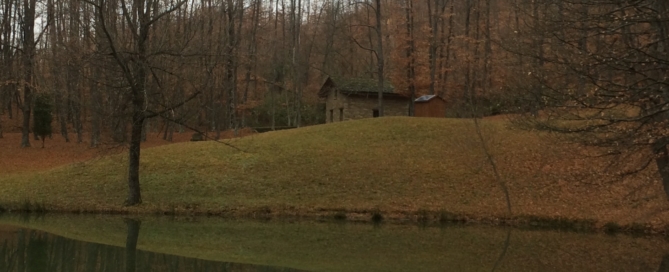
(311, 246)
(25, 250)
(131, 244)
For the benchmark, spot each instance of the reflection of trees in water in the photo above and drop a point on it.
(34, 251)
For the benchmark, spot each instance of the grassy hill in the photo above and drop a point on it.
(402, 168)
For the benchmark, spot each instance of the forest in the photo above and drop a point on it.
(115, 70)
(227, 64)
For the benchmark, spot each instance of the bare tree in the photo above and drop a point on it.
(28, 67)
(135, 67)
(604, 81)
(377, 52)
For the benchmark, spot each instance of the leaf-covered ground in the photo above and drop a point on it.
(399, 167)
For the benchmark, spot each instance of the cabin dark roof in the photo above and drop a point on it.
(356, 86)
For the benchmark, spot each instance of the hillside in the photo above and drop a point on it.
(398, 167)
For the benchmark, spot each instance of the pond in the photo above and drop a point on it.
(112, 243)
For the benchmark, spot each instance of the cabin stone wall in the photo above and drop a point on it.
(339, 107)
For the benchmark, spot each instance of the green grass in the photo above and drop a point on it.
(400, 168)
(363, 165)
(363, 247)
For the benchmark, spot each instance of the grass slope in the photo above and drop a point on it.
(399, 167)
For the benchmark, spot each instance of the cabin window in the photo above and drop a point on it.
(331, 116)
(375, 113)
(335, 94)
(341, 114)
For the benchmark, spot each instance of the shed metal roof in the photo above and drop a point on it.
(425, 98)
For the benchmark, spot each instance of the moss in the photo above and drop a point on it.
(423, 216)
(377, 217)
(446, 217)
(339, 216)
(612, 228)
(637, 229)
(557, 223)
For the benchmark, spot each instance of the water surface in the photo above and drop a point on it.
(110, 243)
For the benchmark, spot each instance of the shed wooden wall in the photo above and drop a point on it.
(435, 107)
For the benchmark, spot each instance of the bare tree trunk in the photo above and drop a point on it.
(96, 108)
(28, 58)
(277, 76)
(230, 70)
(134, 195)
(662, 161)
(62, 120)
(74, 69)
(379, 55)
(7, 36)
(487, 58)
(252, 48)
(433, 20)
(444, 63)
(55, 38)
(145, 129)
(76, 111)
(411, 73)
(468, 89)
(297, 72)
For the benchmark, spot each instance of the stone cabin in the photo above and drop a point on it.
(430, 106)
(357, 98)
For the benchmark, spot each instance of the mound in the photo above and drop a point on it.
(393, 166)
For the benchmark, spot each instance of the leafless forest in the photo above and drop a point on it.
(245, 62)
(217, 65)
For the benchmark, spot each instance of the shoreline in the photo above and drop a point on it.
(423, 218)
(404, 170)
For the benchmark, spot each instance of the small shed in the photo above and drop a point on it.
(430, 106)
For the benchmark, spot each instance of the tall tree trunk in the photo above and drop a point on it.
(75, 106)
(297, 63)
(433, 20)
(230, 71)
(468, 92)
(411, 78)
(662, 161)
(379, 56)
(28, 58)
(444, 63)
(8, 90)
(96, 109)
(61, 107)
(487, 58)
(134, 195)
(251, 64)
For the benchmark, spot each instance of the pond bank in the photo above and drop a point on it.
(401, 169)
(422, 218)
